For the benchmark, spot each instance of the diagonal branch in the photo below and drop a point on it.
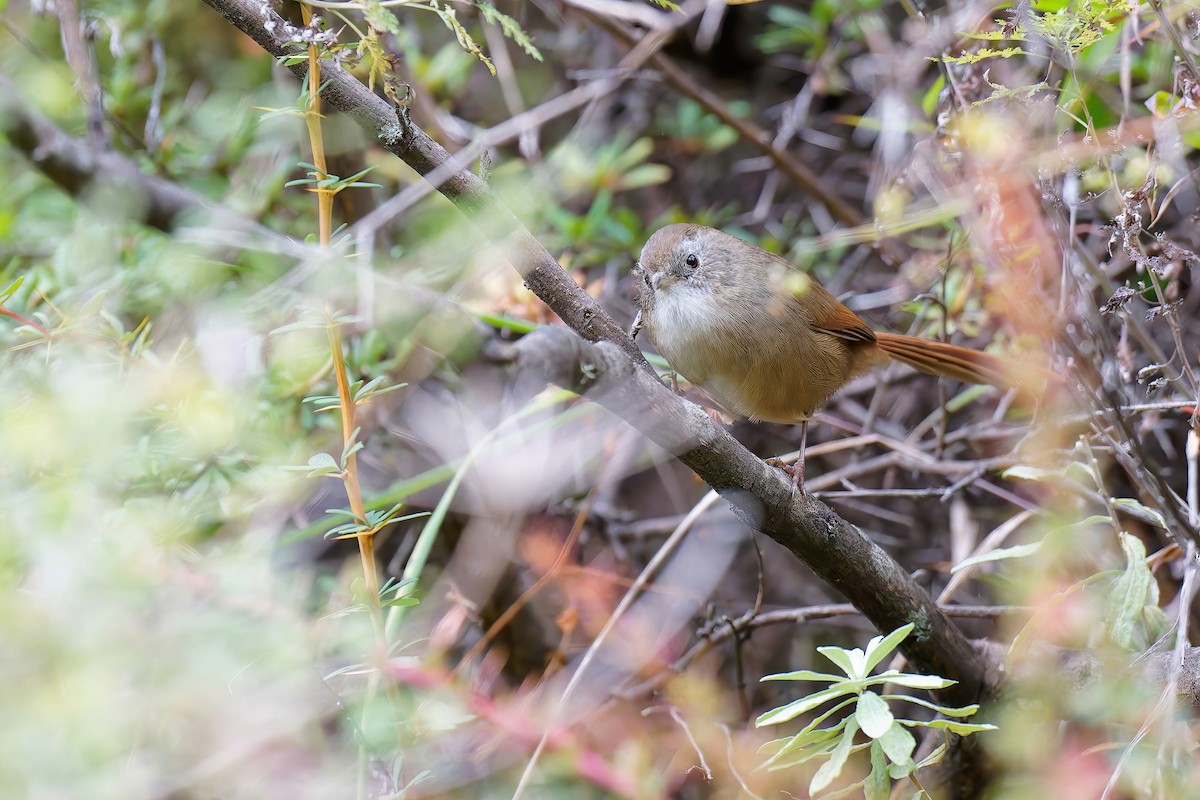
(761, 496)
(615, 374)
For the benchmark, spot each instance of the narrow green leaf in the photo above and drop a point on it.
(878, 785)
(965, 711)
(843, 659)
(880, 646)
(999, 554)
(795, 759)
(934, 757)
(813, 742)
(12, 289)
(910, 680)
(832, 768)
(804, 675)
(801, 706)
(1027, 472)
(809, 734)
(961, 728)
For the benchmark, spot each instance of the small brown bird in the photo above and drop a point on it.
(766, 341)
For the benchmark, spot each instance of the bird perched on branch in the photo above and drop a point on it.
(768, 342)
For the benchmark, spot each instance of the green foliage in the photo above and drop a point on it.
(695, 131)
(823, 24)
(1069, 28)
(891, 745)
(1135, 620)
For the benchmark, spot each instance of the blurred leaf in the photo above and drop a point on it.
(1142, 512)
(319, 465)
(1134, 591)
(11, 290)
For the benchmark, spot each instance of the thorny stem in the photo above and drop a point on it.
(366, 549)
(366, 542)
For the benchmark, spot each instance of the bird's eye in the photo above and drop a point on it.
(692, 261)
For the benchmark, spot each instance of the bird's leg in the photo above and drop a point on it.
(797, 469)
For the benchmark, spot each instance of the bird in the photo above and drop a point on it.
(765, 340)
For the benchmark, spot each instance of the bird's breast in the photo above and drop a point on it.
(767, 365)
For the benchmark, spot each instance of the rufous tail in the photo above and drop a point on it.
(951, 361)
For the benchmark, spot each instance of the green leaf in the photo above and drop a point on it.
(810, 744)
(849, 661)
(633, 154)
(898, 744)
(802, 706)
(878, 785)
(837, 759)
(450, 19)
(804, 675)
(1133, 592)
(803, 757)
(965, 711)
(1026, 472)
(930, 98)
(1023, 550)
(880, 646)
(999, 554)
(1135, 509)
(961, 728)
(1161, 104)
(646, 175)
(11, 290)
(911, 681)
(510, 27)
(812, 735)
(319, 465)
(873, 715)
(938, 753)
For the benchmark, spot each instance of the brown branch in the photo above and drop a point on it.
(616, 375)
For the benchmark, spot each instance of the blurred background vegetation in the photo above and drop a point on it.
(273, 524)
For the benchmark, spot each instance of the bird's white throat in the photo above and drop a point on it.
(682, 319)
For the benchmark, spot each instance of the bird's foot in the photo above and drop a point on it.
(794, 471)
